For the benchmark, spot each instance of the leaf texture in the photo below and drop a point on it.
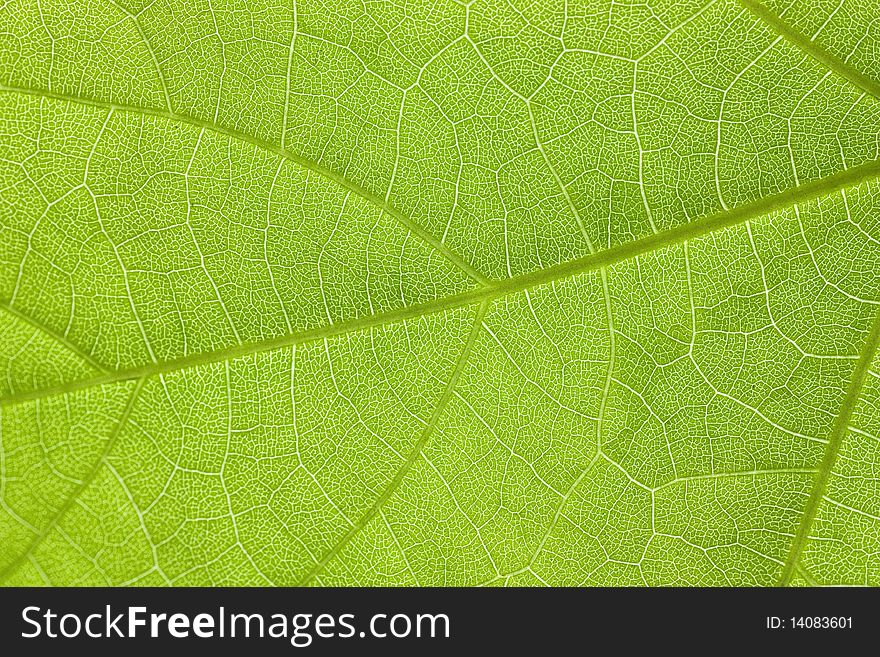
(434, 293)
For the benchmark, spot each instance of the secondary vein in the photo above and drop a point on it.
(813, 49)
(16, 563)
(57, 337)
(383, 205)
(495, 289)
(838, 431)
(425, 437)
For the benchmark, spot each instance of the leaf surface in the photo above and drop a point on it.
(425, 293)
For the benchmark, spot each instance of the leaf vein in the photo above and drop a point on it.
(853, 176)
(58, 337)
(382, 204)
(417, 451)
(838, 431)
(813, 49)
(16, 563)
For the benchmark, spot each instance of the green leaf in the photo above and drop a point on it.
(429, 293)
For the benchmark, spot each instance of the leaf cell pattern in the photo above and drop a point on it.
(561, 292)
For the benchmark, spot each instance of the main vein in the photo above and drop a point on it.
(416, 452)
(694, 229)
(813, 49)
(382, 204)
(838, 432)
